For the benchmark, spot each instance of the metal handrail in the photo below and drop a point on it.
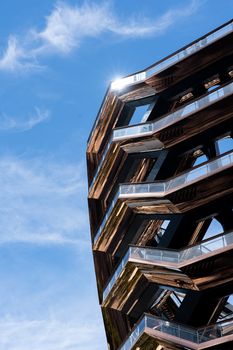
(174, 257)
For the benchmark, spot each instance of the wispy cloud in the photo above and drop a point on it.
(49, 335)
(12, 124)
(67, 26)
(142, 27)
(18, 55)
(42, 202)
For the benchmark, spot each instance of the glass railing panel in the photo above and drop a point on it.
(160, 188)
(116, 274)
(191, 253)
(106, 216)
(170, 328)
(141, 129)
(146, 188)
(178, 331)
(193, 107)
(201, 171)
(189, 50)
(218, 330)
(134, 336)
(209, 333)
(216, 95)
(220, 33)
(123, 82)
(154, 255)
(149, 128)
(206, 247)
(213, 245)
(101, 162)
(196, 336)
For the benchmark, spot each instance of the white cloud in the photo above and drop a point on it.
(17, 56)
(141, 27)
(42, 202)
(9, 123)
(67, 26)
(12, 55)
(50, 335)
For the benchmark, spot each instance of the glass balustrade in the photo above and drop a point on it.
(209, 246)
(200, 172)
(145, 188)
(132, 79)
(106, 216)
(135, 335)
(173, 59)
(116, 274)
(191, 108)
(197, 46)
(160, 189)
(150, 255)
(101, 162)
(181, 332)
(174, 257)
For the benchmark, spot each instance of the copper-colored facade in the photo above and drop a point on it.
(159, 161)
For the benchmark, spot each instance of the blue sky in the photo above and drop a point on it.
(56, 61)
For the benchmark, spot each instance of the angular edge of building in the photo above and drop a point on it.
(159, 161)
